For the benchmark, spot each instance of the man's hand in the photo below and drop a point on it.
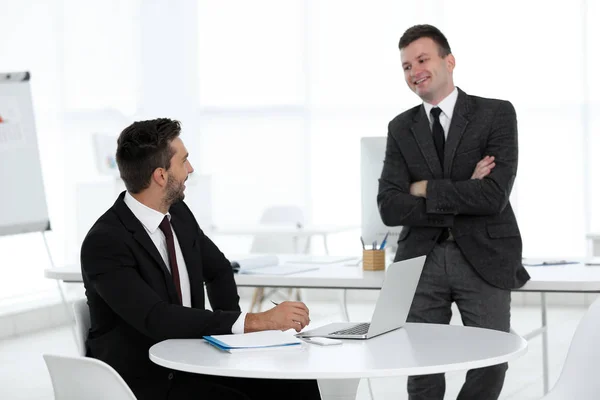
(286, 315)
(419, 189)
(483, 167)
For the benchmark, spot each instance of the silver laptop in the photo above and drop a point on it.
(391, 309)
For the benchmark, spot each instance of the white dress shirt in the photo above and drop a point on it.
(447, 107)
(151, 219)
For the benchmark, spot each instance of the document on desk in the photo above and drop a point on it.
(267, 265)
(546, 263)
(253, 262)
(311, 259)
(279, 270)
(263, 341)
(593, 262)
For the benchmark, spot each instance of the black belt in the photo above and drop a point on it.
(445, 235)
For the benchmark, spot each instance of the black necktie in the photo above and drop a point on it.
(438, 134)
(439, 140)
(165, 227)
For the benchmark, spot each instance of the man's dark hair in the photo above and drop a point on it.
(419, 31)
(144, 146)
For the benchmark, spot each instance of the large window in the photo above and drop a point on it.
(84, 62)
(251, 54)
(274, 97)
(536, 62)
(28, 42)
(357, 87)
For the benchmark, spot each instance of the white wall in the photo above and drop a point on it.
(274, 97)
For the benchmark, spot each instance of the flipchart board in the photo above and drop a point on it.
(23, 205)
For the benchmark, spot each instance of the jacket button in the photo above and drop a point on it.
(170, 376)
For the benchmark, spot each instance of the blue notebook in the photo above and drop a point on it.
(265, 340)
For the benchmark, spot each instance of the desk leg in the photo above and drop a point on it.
(68, 309)
(295, 243)
(543, 330)
(345, 305)
(307, 244)
(338, 389)
(545, 341)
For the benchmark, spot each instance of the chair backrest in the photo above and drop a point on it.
(82, 324)
(85, 378)
(279, 215)
(579, 376)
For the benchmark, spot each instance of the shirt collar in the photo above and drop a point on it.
(447, 105)
(147, 216)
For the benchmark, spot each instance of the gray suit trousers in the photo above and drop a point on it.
(448, 277)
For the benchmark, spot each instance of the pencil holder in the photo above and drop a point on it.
(373, 260)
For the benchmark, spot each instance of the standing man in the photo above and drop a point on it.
(145, 264)
(449, 168)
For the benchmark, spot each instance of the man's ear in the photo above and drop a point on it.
(450, 62)
(160, 176)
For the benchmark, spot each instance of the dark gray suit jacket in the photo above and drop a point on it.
(477, 210)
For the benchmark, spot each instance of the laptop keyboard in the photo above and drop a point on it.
(360, 329)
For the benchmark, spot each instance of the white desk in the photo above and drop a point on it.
(337, 275)
(570, 278)
(296, 231)
(416, 349)
(70, 274)
(573, 278)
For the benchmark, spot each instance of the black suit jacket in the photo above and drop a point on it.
(477, 210)
(132, 298)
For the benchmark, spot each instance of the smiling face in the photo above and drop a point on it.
(427, 73)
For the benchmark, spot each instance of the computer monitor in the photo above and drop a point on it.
(105, 149)
(372, 153)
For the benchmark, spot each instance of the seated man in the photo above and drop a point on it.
(145, 263)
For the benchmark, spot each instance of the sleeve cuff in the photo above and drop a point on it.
(239, 325)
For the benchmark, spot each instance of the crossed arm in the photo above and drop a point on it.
(434, 203)
(482, 169)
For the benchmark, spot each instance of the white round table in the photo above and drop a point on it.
(416, 349)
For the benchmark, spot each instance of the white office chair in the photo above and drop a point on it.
(282, 244)
(85, 378)
(278, 215)
(579, 376)
(82, 324)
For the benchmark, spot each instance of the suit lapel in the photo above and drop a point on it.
(187, 241)
(422, 133)
(460, 120)
(139, 233)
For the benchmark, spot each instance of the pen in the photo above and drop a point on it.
(374, 245)
(384, 241)
(363, 242)
(274, 303)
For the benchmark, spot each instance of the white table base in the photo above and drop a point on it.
(338, 389)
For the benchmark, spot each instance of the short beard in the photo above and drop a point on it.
(175, 192)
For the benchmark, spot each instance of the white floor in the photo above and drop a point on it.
(23, 373)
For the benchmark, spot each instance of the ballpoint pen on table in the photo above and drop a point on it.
(384, 241)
